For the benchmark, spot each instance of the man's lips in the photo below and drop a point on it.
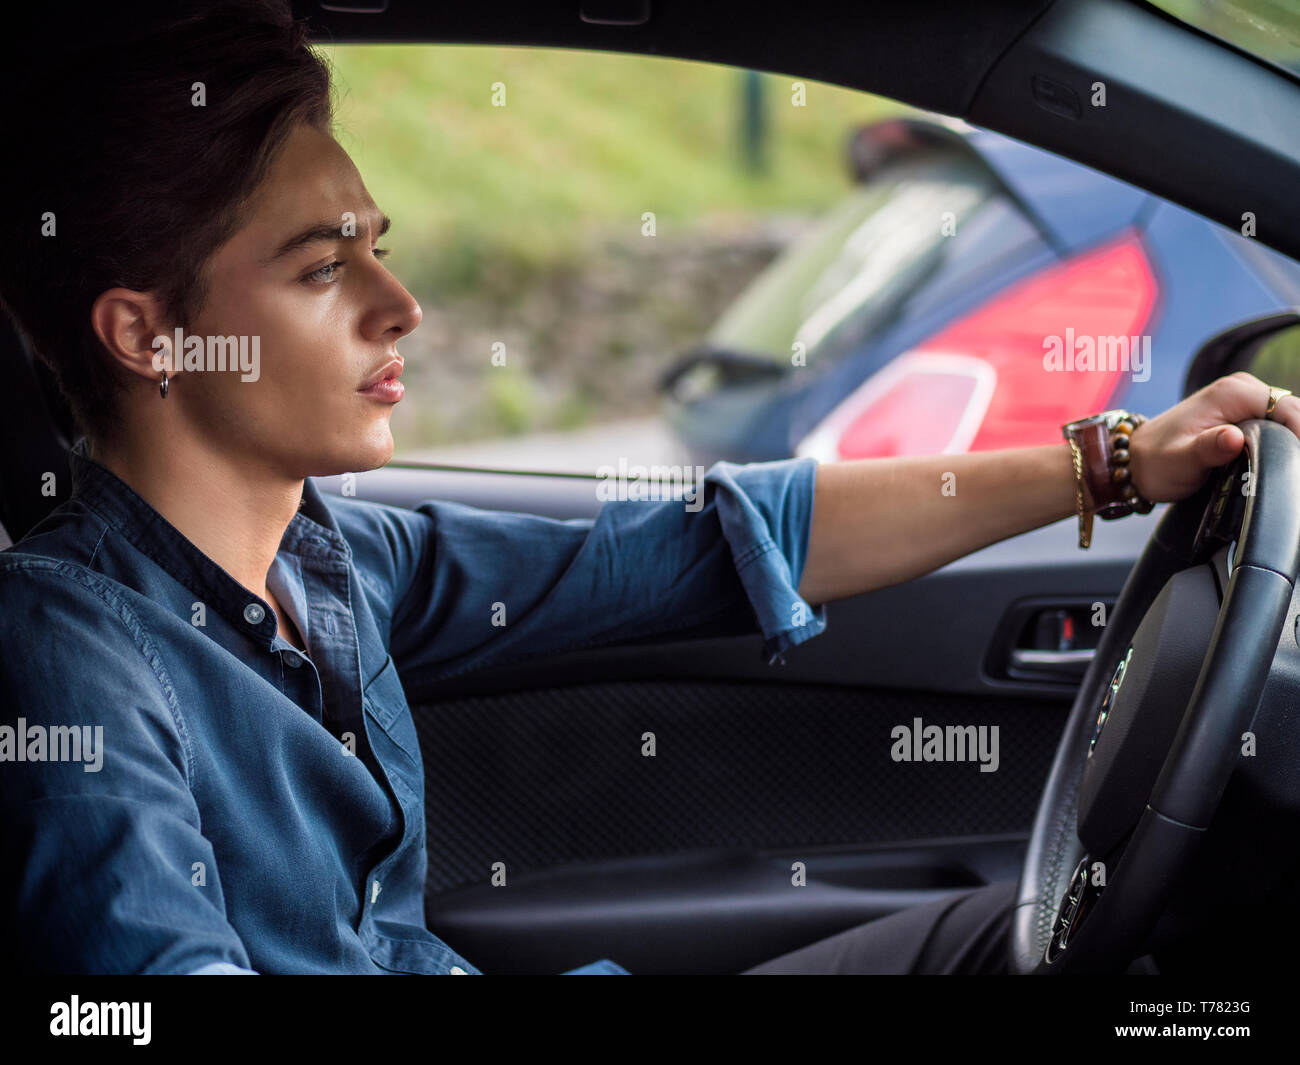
(390, 390)
(384, 384)
(390, 371)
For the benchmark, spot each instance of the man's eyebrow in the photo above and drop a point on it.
(319, 232)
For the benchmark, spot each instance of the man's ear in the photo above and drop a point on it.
(129, 325)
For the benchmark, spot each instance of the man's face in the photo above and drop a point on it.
(325, 330)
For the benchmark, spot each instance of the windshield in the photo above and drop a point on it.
(1268, 29)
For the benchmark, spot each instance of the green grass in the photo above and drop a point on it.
(586, 142)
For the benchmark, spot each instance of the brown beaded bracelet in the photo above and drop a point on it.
(1119, 467)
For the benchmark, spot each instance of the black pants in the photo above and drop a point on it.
(965, 934)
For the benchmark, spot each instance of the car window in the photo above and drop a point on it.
(1277, 360)
(1269, 29)
(857, 263)
(998, 233)
(573, 222)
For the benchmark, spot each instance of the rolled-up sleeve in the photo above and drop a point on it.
(103, 864)
(765, 513)
(472, 588)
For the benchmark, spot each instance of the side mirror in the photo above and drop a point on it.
(1268, 347)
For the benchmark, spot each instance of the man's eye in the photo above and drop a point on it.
(315, 275)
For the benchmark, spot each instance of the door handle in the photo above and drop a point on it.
(1047, 639)
(1073, 664)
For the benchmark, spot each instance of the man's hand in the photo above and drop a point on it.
(1172, 453)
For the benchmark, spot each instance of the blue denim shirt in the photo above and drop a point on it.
(182, 790)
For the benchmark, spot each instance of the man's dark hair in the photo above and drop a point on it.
(140, 184)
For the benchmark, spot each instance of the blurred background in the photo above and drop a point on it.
(522, 225)
(632, 259)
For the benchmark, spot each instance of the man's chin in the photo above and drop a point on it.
(368, 454)
(373, 457)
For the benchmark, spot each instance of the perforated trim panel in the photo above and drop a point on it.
(542, 778)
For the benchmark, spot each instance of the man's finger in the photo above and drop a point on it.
(1218, 445)
(1287, 412)
(1241, 396)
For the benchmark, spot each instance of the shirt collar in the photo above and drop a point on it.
(312, 533)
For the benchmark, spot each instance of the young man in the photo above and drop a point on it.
(213, 650)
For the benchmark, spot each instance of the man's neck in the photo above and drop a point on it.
(232, 510)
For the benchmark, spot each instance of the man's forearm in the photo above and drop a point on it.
(878, 522)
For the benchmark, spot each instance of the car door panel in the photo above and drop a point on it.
(773, 810)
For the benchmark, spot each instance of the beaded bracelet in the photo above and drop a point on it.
(1120, 473)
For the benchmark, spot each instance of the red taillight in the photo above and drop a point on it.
(982, 384)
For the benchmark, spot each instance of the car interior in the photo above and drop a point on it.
(683, 864)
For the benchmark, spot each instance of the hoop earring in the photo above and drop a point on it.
(163, 385)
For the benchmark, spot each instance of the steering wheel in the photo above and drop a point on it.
(1157, 726)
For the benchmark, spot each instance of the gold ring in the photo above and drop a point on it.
(1274, 394)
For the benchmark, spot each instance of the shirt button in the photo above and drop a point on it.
(456, 970)
(293, 660)
(254, 613)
